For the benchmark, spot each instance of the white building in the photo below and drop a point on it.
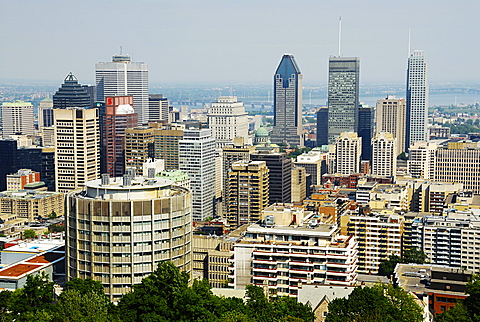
(390, 117)
(77, 152)
(421, 160)
(384, 155)
(227, 120)
(417, 99)
(123, 77)
(348, 151)
(17, 118)
(314, 163)
(196, 154)
(291, 248)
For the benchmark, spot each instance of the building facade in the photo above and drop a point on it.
(384, 155)
(17, 118)
(417, 99)
(287, 105)
(390, 117)
(139, 147)
(71, 94)
(166, 145)
(31, 204)
(157, 107)
(348, 148)
(343, 88)
(119, 233)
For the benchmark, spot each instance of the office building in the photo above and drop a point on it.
(348, 149)
(45, 113)
(322, 126)
(314, 164)
(378, 237)
(343, 87)
(122, 77)
(139, 147)
(417, 99)
(390, 117)
(290, 248)
(196, 156)
(287, 104)
(77, 150)
(17, 118)
(119, 116)
(384, 155)
(166, 144)
(280, 175)
(134, 223)
(246, 193)
(157, 107)
(365, 130)
(71, 94)
(227, 120)
(21, 179)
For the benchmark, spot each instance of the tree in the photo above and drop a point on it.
(29, 233)
(387, 267)
(75, 306)
(85, 286)
(378, 303)
(52, 215)
(414, 255)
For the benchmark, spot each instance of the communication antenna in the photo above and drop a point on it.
(339, 36)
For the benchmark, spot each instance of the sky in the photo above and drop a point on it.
(238, 42)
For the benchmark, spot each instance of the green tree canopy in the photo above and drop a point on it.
(29, 233)
(412, 255)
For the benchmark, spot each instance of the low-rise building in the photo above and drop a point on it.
(31, 204)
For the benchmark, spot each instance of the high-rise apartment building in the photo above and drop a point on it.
(196, 156)
(17, 118)
(118, 233)
(77, 151)
(123, 77)
(314, 164)
(421, 160)
(287, 105)
(166, 144)
(390, 117)
(227, 120)
(365, 130)
(139, 147)
(247, 192)
(157, 107)
(417, 99)
(348, 148)
(119, 116)
(71, 94)
(384, 155)
(343, 87)
(280, 175)
(299, 184)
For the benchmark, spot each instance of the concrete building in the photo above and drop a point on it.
(22, 178)
(390, 117)
(120, 230)
(299, 184)
(430, 196)
(45, 113)
(421, 160)
(158, 107)
(247, 192)
(77, 151)
(121, 76)
(31, 204)
(166, 144)
(287, 103)
(227, 120)
(384, 155)
(17, 118)
(390, 196)
(280, 175)
(196, 154)
(178, 177)
(119, 116)
(139, 147)
(417, 99)
(378, 237)
(348, 149)
(343, 90)
(291, 248)
(315, 164)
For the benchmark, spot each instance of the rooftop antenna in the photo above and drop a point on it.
(339, 36)
(409, 42)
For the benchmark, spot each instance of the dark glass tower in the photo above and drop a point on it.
(322, 126)
(280, 175)
(71, 94)
(287, 105)
(365, 130)
(343, 87)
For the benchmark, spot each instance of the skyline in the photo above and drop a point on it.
(231, 43)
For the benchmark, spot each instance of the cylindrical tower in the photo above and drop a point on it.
(118, 231)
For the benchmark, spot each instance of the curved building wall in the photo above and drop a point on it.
(117, 235)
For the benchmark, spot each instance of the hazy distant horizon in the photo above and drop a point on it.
(230, 42)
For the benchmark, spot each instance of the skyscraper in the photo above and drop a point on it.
(228, 120)
(348, 150)
(139, 147)
(17, 118)
(196, 153)
(384, 154)
(365, 130)
(322, 126)
(343, 87)
(157, 107)
(417, 99)
(123, 77)
(71, 94)
(287, 103)
(390, 117)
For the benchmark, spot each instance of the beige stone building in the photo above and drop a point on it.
(139, 147)
(348, 149)
(384, 154)
(390, 117)
(31, 204)
(299, 187)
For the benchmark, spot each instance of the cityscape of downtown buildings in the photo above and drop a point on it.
(144, 182)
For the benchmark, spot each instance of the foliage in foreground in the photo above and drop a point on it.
(165, 295)
(412, 255)
(467, 310)
(378, 303)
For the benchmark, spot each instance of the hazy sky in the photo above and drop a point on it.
(242, 41)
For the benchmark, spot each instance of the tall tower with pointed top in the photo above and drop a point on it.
(287, 103)
(71, 94)
(417, 99)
